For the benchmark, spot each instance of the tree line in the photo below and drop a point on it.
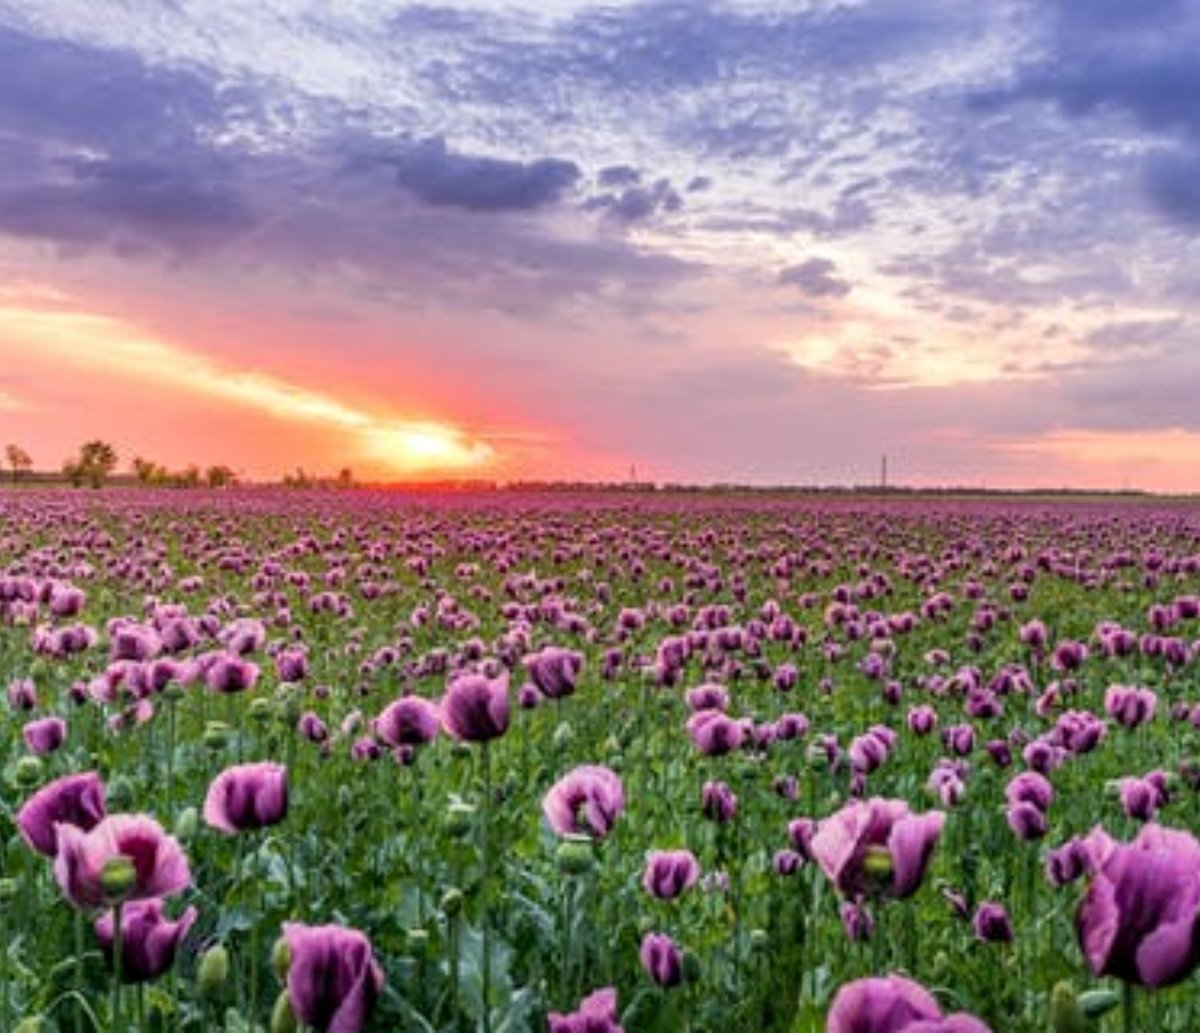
(96, 462)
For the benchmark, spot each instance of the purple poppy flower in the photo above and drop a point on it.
(71, 800)
(160, 867)
(227, 674)
(475, 708)
(893, 1004)
(409, 721)
(708, 696)
(247, 797)
(149, 940)
(1140, 798)
(555, 671)
(991, 923)
(1068, 862)
(586, 801)
(800, 834)
(1030, 787)
(718, 802)
(1140, 917)
(669, 872)
(22, 695)
(1130, 706)
(333, 980)
(44, 736)
(714, 733)
(877, 844)
(922, 720)
(662, 959)
(1026, 820)
(787, 862)
(597, 1013)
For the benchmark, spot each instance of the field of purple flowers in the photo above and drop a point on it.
(354, 761)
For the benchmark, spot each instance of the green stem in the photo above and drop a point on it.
(256, 922)
(170, 810)
(78, 970)
(565, 990)
(1128, 1023)
(485, 916)
(118, 964)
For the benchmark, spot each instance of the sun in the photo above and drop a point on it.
(426, 448)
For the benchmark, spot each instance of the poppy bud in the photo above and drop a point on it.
(281, 959)
(693, 970)
(282, 1018)
(213, 972)
(1065, 1014)
(173, 692)
(758, 940)
(563, 735)
(261, 710)
(418, 941)
(28, 772)
(186, 824)
(452, 901)
(8, 890)
(118, 878)
(575, 855)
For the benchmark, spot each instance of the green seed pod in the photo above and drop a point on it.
(1065, 1013)
(459, 820)
(186, 824)
(118, 878)
(213, 972)
(759, 940)
(28, 772)
(283, 1020)
(173, 692)
(8, 890)
(418, 941)
(216, 736)
(452, 902)
(281, 959)
(878, 863)
(575, 855)
(35, 1024)
(261, 710)
(460, 750)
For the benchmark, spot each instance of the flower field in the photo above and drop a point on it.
(345, 761)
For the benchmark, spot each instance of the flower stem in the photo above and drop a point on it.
(485, 916)
(118, 962)
(1128, 1023)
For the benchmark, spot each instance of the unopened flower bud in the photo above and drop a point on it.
(213, 972)
(8, 890)
(418, 941)
(261, 710)
(281, 959)
(1065, 1014)
(283, 1020)
(452, 902)
(186, 824)
(563, 735)
(28, 771)
(693, 971)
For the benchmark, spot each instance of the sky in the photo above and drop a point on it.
(754, 242)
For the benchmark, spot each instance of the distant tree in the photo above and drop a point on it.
(220, 476)
(18, 461)
(345, 477)
(96, 460)
(190, 477)
(300, 479)
(148, 472)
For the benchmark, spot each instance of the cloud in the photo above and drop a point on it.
(816, 278)
(634, 203)
(433, 173)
